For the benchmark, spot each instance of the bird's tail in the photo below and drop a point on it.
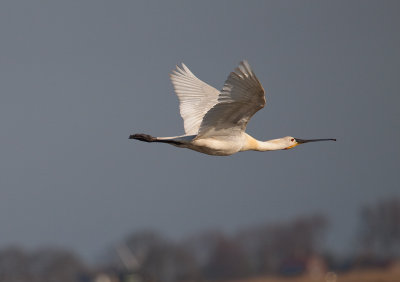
(143, 137)
(149, 139)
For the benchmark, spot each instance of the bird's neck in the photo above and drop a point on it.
(270, 145)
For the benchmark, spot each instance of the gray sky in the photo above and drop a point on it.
(77, 77)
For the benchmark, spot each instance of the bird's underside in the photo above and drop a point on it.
(217, 146)
(215, 121)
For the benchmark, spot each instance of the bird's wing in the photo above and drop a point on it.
(241, 97)
(196, 98)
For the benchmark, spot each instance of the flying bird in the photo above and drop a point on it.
(215, 121)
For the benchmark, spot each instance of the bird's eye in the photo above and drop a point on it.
(292, 139)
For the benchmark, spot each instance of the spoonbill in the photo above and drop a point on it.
(215, 121)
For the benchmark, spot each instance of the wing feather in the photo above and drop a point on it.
(241, 97)
(196, 98)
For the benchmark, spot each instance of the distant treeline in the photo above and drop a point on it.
(284, 248)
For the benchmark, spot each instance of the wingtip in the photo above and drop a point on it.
(142, 137)
(246, 66)
(179, 68)
(187, 70)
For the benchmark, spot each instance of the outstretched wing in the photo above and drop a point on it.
(241, 97)
(196, 98)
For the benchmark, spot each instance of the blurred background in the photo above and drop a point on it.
(81, 202)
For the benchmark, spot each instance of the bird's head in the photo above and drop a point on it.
(292, 142)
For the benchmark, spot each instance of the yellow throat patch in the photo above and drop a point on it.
(290, 147)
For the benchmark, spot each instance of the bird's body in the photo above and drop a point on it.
(217, 146)
(215, 121)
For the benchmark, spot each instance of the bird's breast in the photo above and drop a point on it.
(217, 146)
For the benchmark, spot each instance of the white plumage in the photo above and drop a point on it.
(215, 121)
(196, 98)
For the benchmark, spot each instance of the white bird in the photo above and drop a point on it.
(215, 121)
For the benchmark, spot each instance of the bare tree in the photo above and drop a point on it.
(159, 259)
(268, 245)
(227, 260)
(44, 265)
(14, 265)
(56, 265)
(380, 228)
(202, 246)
